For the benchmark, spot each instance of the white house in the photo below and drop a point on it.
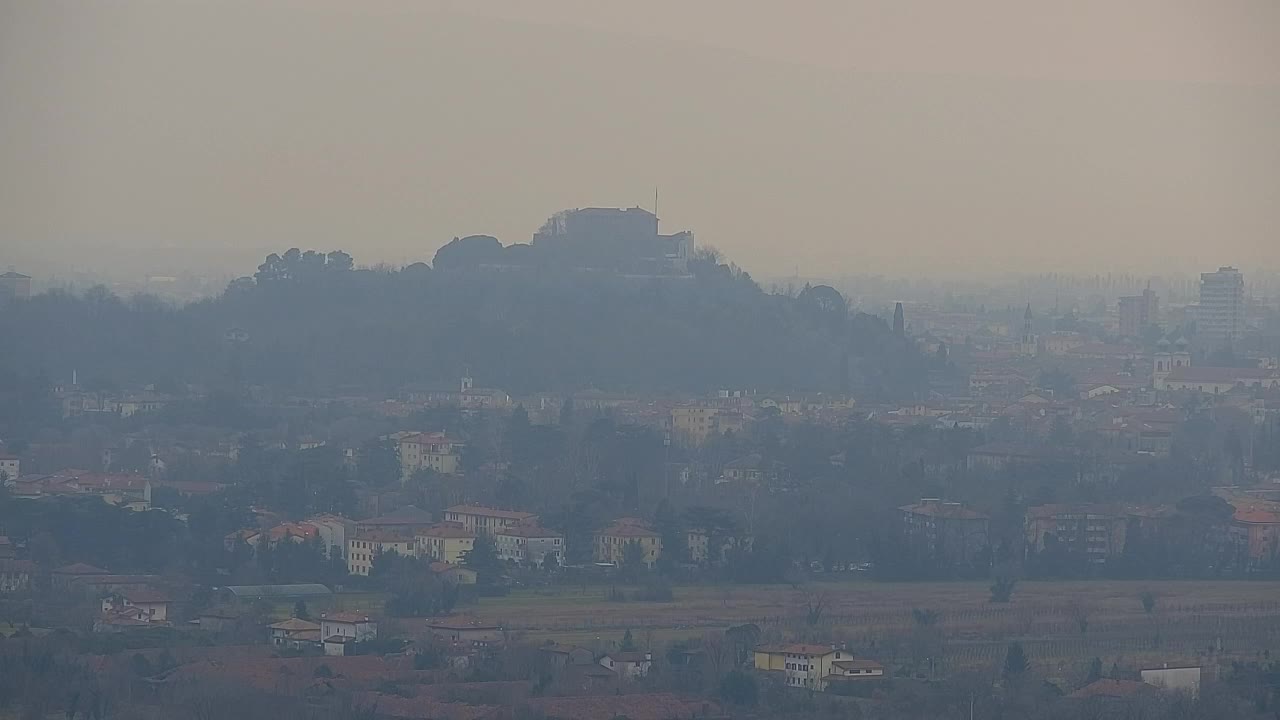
(144, 604)
(1183, 679)
(628, 665)
(337, 630)
(9, 465)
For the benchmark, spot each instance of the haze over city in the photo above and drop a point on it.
(826, 137)
(677, 360)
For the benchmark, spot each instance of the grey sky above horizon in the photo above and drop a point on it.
(826, 136)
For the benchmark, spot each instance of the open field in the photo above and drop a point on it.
(1233, 618)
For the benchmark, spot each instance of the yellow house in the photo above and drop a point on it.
(446, 542)
(368, 544)
(693, 424)
(428, 451)
(611, 542)
(813, 666)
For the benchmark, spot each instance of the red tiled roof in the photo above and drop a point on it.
(1257, 517)
(490, 512)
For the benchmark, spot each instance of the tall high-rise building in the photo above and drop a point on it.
(899, 321)
(1138, 312)
(1220, 316)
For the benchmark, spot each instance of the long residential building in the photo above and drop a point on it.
(1096, 532)
(487, 520)
(945, 532)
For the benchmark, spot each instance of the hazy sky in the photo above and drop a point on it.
(828, 135)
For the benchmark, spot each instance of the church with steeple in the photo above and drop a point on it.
(1027, 345)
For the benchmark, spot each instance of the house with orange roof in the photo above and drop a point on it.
(296, 533)
(1255, 528)
(295, 633)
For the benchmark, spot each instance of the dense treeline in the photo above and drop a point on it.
(309, 322)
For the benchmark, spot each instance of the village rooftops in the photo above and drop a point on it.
(407, 515)
(1221, 374)
(528, 531)
(1083, 509)
(447, 530)
(517, 515)
(625, 529)
(796, 649)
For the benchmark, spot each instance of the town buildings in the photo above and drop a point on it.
(1219, 317)
(14, 286)
(1095, 533)
(945, 532)
(1138, 312)
(486, 520)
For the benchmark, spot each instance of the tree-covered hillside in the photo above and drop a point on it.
(311, 322)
